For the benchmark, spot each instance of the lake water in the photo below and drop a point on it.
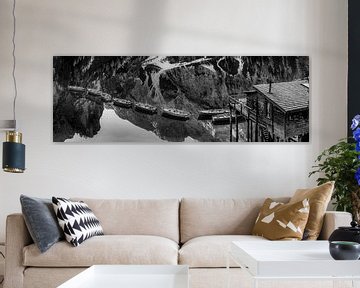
(78, 119)
(116, 129)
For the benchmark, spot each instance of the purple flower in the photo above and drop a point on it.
(355, 122)
(357, 176)
(357, 147)
(356, 134)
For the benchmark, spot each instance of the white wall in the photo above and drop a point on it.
(317, 28)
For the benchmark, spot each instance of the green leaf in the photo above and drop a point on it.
(339, 163)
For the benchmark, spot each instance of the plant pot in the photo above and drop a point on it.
(344, 250)
(351, 233)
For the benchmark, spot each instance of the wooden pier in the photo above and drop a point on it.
(255, 127)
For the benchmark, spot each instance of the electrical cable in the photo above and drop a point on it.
(14, 60)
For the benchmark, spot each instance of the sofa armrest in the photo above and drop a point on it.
(332, 220)
(17, 237)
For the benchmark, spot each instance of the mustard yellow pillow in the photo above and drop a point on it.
(319, 198)
(279, 221)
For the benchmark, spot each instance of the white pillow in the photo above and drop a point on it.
(76, 220)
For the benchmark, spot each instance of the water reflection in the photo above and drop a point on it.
(165, 128)
(75, 115)
(78, 119)
(114, 129)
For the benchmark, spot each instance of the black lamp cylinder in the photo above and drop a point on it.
(13, 153)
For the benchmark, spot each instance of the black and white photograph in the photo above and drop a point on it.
(151, 99)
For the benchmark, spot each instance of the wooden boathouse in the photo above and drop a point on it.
(276, 112)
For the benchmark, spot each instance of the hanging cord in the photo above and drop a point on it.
(14, 60)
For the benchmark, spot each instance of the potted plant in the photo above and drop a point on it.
(341, 163)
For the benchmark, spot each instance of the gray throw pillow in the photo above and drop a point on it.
(41, 221)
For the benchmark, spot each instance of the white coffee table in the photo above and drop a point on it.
(296, 260)
(131, 276)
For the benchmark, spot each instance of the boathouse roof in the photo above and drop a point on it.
(289, 96)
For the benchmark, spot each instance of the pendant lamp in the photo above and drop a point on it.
(13, 160)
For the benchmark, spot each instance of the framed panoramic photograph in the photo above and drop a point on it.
(150, 99)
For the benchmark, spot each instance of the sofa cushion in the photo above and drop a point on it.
(279, 221)
(200, 217)
(48, 277)
(107, 249)
(158, 217)
(319, 198)
(211, 251)
(41, 221)
(77, 220)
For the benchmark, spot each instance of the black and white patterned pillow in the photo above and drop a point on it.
(77, 220)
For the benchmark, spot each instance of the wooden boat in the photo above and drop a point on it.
(94, 92)
(209, 113)
(213, 112)
(104, 96)
(76, 89)
(175, 114)
(145, 108)
(224, 119)
(122, 103)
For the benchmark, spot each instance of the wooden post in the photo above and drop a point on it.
(272, 122)
(251, 130)
(237, 125)
(230, 108)
(285, 124)
(257, 121)
(248, 125)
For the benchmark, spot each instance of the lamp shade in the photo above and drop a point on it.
(13, 153)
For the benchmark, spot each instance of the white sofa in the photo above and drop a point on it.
(194, 232)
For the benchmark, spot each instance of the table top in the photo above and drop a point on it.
(291, 259)
(131, 276)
